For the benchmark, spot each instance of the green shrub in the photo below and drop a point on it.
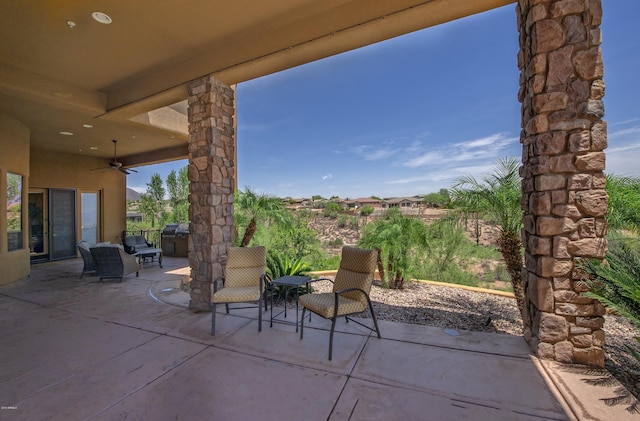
(615, 282)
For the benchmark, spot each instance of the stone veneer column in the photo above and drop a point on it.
(212, 183)
(564, 199)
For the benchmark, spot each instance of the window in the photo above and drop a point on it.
(89, 206)
(14, 211)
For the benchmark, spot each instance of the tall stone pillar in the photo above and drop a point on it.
(212, 182)
(564, 200)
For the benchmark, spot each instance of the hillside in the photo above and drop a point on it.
(333, 237)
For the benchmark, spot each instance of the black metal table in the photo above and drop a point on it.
(288, 282)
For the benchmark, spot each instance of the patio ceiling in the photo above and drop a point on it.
(60, 69)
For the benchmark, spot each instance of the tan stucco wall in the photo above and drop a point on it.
(59, 170)
(14, 143)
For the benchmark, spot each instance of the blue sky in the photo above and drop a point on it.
(409, 115)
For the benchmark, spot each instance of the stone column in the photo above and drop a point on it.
(212, 181)
(564, 199)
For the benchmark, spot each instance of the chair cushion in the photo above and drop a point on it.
(244, 266)
(324, 303)
(356, 271)
(241, 257)
(237, 295)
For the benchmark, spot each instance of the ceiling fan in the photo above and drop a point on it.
(115, 164)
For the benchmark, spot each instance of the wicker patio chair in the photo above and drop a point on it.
(243, 282)
(85, 252)
(350, 294)
(145, 250)
(114, 262)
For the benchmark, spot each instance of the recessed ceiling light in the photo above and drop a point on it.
(87, 126)
(93, 148)
(66, 133)
(71, 24)
(101, 17)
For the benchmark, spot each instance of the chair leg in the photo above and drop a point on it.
(213, 319)
(260, 314)
(333, 327)
(373, 316)
(304, 309)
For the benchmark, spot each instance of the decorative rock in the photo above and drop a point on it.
(588, 64)
(548, 36)
(563, 352)
(547, 225)
(560, 66)
(582, 341)
(594, 161)
(588, 247)
(590, 322)
(551, 267)
(589, 356)
(566, 7)
(592, 202)
(550, 182)
(553, 328)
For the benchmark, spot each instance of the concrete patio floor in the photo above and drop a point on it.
(77, 349)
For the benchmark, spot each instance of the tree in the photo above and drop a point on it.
(397, 238)
(178, 189)
(366, 210)
(497, 197)
(152, 201)
(440, 199)
(252, 208)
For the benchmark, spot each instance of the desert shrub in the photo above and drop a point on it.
(332, 210)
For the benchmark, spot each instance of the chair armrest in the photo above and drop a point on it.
(342, 291)
(215, 283)
(324, 279)
(129, 249)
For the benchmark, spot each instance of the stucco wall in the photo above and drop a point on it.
(14, 143)
(58, 170)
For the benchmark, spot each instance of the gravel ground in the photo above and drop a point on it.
(449, 307)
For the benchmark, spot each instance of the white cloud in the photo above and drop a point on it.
(624, 132)
(424, 159)
(327, 177)
(488, 148)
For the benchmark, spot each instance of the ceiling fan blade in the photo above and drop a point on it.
(124, 170)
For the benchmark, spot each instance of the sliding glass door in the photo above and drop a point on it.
(62, 228)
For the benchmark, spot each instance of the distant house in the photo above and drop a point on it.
(134, 216)
(402, 202)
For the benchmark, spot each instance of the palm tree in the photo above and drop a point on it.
(251, 208)
(624, 203)
(497, 197)
(397, 238)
